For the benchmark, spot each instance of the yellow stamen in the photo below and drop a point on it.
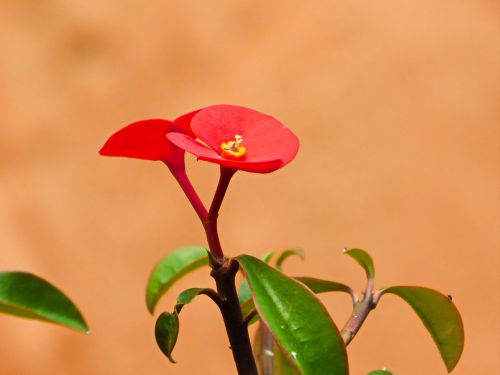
(233, 149)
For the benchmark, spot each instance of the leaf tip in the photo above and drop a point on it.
(151, 306)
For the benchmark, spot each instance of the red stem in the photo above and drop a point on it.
(180, 175)
(210, 222)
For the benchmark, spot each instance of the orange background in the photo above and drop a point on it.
(396, 106)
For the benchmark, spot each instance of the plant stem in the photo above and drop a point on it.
(183, 180)
(210, 221)
(359, 314)
(224, 272)
(357, 318)
(236, 328)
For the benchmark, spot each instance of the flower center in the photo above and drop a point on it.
(233, 149)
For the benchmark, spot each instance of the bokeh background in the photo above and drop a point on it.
(396, 104)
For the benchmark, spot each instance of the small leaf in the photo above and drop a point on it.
(296, 318)
(286, 254)
(188, 296)
(364, 260)
(269, 356)
(170, 269)
(166, 332)
(440, 317)
(167, 324)
(323, 286)
(28, 296)
(268, 256)
(383, 371)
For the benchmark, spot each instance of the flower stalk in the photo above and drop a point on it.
(210, 221)
(180, 175)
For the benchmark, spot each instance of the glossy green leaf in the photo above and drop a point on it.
(244, 293)
(28, 296)
(269, 356)
(316, 285)
(364, 260)
(440, 317)
(170, 269)
(383, 371)
(296, 318)
(166, 332)
(287, 254)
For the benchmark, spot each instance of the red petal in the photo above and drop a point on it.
(265, 138)
(204, 153)
(184, 122)
(144, 140)
(189, 144)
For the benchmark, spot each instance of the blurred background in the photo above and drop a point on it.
(396, 104)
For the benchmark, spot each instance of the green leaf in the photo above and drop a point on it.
(167, 324)
(170, 269)
(28, 296)
(298, 321)
(287, 254)
(268, 256)
(166, 332)
(269, 356)
(248, 307)
(440, 317)
(364, 260)
(323, 286)
(316, 285)
(244, 293)
(383, 371)
(188, 296)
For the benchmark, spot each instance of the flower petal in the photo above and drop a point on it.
(145, 140)
(189, 144)
(184, 122)
(203, 152)
(264, 137)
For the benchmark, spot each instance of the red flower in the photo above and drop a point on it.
(147, 140)
(237, 137)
